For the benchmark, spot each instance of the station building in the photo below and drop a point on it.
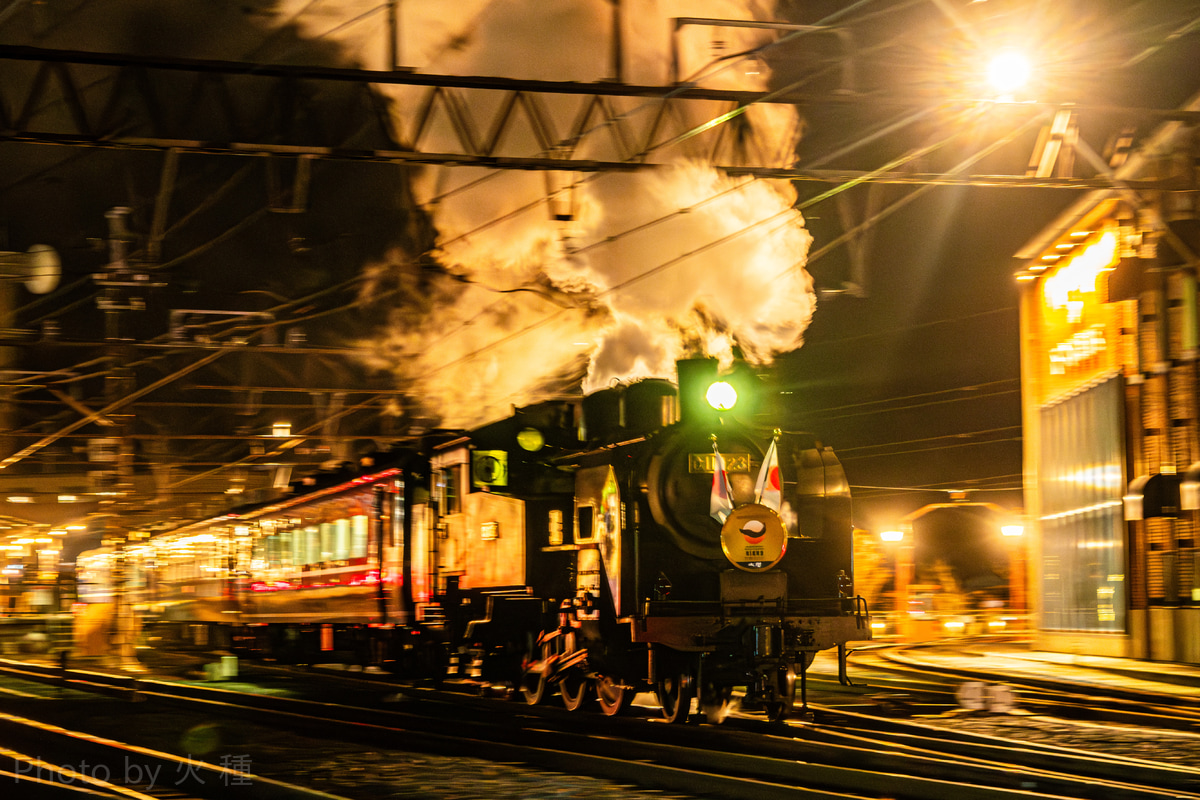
(1110, 344)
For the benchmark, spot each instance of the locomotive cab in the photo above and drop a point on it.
(502, 553)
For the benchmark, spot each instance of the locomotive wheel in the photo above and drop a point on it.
(675, 696)
(613, 697)
(534, 687)
(780, 705)
(576, 690)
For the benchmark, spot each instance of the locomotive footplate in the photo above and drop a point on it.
(701, 632)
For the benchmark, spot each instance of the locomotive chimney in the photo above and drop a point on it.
(695, 376)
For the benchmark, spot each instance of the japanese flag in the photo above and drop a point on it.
(767, 489)
(720, 504)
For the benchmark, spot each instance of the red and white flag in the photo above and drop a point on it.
(720, 503)
(767, 489)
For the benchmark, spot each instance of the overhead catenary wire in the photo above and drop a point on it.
(843, 12)
(928, 439)
(932, 449)
(616, 237)
(913, 406)
(646, 273)
(973, 387)
(1002, 483)
(529, 328)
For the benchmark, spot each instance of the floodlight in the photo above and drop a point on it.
(1009, 72)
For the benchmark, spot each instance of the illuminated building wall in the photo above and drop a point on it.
(1074, 386)
(1109, 387)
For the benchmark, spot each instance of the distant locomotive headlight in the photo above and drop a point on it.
(721, 396)
(531, 439)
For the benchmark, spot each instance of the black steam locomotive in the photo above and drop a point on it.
(669, 547)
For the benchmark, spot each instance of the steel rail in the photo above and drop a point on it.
(1043, 696)
(201, 779)
(712, 759)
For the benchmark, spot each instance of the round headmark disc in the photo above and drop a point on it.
(753, 538)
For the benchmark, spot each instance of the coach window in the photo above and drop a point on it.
(358, 536)
(260, 554)
(341, 540)
(272, 555)
(328, 545)
(452, 490)
(312, 554)
(585, 523)
(398, 512)
(286, 558)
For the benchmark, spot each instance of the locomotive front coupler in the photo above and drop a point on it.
(767, 611)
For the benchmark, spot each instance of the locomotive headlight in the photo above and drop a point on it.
(531, 439)
(721, 396)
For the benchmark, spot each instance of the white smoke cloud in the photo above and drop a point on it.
(623, 272)
(726, 271)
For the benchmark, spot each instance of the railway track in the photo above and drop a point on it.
(844, 754)
(84, 765)
(933, 684)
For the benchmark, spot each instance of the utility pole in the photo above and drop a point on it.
(119, 293)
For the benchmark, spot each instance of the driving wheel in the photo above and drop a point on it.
(675, 696)
(574, 688)
(614, 698)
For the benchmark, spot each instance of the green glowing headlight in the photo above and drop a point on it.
(721, 396)
(531, 439)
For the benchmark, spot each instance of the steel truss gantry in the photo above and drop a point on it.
(128, 102)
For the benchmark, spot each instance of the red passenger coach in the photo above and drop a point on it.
(290, 578)
(325, 571)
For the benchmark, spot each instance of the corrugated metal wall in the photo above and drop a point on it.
(1082, 480)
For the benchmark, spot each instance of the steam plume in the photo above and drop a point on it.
(622, 272)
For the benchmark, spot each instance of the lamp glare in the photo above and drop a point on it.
(721, 396)
(1008, 72)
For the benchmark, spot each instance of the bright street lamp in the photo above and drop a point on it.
(901, 577)
(1013, 533)
(1008, 73)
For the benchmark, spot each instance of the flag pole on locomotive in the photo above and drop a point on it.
(720, 502)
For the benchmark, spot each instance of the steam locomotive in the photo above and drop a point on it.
(664, 546)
